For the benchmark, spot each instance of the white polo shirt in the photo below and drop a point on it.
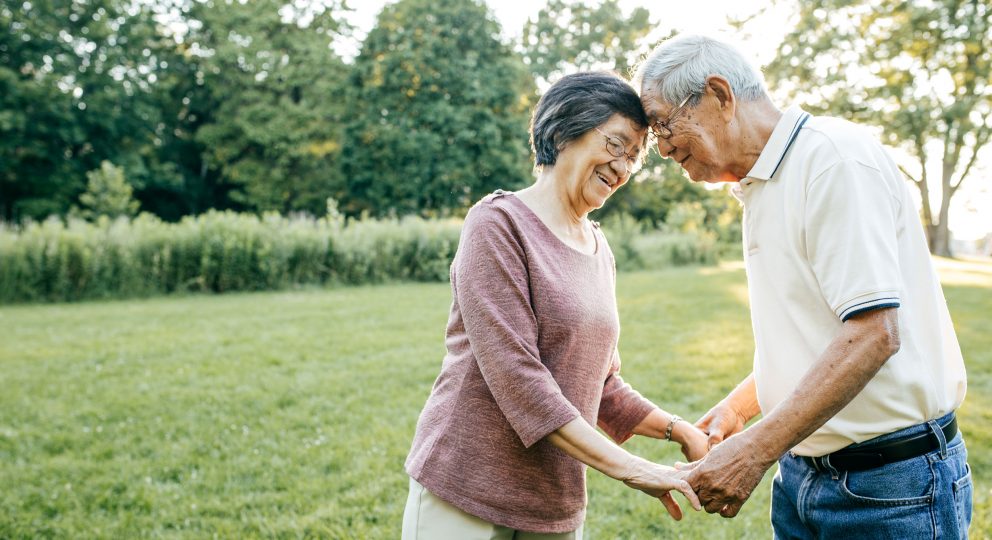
(830, 231)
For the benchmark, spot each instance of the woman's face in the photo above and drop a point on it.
(590, 167)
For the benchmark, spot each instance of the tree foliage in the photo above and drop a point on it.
(272, 96)
(108, 193)
(570, 35)
(918, 70)
(440, 111)
(76, 88)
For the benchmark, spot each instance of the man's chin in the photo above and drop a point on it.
(694, 177)
(708, 178)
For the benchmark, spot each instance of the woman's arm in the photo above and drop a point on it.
(624, 412)
(581, 441)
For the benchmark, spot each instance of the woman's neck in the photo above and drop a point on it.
(549, 197)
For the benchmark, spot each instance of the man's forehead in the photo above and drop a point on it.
(653, 106)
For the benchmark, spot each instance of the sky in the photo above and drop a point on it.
(971, 208)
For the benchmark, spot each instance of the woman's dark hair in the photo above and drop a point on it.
(576, 104)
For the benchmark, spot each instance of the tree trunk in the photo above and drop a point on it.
(940, 239)
(940, 244)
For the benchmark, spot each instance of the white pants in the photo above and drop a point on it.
(427, 517)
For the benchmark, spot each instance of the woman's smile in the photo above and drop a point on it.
(604, 179)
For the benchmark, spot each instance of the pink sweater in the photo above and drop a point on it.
(531, 345)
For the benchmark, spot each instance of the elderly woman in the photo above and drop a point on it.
(532, 365)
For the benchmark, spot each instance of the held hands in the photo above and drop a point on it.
(658, 481)
(725, 478)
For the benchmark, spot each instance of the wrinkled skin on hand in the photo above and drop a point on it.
(727, 476)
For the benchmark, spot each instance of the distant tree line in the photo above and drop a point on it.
(177, 107)
(187, 106)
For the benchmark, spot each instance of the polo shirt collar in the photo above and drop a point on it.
(784, 134)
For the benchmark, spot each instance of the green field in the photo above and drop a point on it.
(288, 415)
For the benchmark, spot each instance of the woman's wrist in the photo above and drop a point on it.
(632, 469)
(673, 422)
(680, 431)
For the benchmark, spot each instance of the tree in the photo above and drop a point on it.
(107, 193)
(920, 71)
(569, 35)
(264, 105)
(440, 111)
(75, 89)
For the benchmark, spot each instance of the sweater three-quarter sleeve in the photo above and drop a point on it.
(622, 407)
(492, 290)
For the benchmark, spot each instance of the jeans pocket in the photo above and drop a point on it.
(904, 483)
(962, 500)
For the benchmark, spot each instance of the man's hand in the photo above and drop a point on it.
(725, 478)
(722, 421)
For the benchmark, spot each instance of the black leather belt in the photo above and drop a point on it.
(867, 457)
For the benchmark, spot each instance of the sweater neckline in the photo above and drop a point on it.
(530, 214)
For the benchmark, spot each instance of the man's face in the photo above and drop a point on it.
(697, 138)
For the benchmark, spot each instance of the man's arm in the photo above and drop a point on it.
(725, 478)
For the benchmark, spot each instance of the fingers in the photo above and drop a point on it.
(690, 495)
(679, 466)
(713, 506)
(731, 510)
(715, 436)
(672, 506)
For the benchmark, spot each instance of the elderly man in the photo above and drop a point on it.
(857, 370)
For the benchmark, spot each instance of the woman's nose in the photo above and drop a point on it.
(619, 166)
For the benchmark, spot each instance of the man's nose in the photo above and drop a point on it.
(665, 148)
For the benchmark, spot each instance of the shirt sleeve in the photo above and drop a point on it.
(621, 407)
(493, 293)
(851, 238)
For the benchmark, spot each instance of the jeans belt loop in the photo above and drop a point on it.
(834, 473)
(939, 433)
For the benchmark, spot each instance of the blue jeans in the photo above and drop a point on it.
(923, 497)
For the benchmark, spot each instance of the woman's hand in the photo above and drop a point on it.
(658, 481)
(730, 415)
(722, 421)
(693, 441)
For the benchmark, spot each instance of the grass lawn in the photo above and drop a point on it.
(289, 414)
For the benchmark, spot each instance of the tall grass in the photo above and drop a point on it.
(57, 261)
(215, 252)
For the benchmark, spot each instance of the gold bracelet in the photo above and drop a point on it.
(671, 425)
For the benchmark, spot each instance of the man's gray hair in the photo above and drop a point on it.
(679, 67)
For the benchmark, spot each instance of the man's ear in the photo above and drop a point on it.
(720, 89)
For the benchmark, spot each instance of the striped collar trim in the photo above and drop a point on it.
(775, 150)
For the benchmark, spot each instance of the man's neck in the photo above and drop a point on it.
(756, 120)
